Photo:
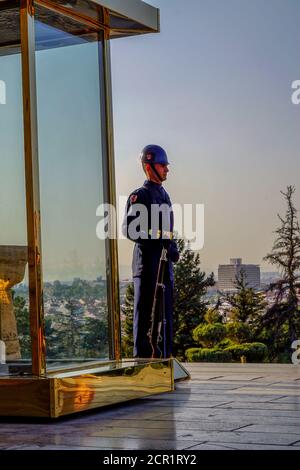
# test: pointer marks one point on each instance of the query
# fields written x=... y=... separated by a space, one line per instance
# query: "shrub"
x=225 y=343
x=254 y=352
x=238 y=332
x=209 y=335
x=207 y=355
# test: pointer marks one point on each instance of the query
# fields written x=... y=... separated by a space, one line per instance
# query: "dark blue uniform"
x=146 y=256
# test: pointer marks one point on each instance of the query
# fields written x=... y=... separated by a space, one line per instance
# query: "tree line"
x=252 y=330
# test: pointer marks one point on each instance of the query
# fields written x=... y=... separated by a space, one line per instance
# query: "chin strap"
x=156 y=172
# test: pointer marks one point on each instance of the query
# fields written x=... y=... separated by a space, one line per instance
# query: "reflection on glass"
x=71 y=188
x=10 y=36
x=14 y=302
x=13 y=260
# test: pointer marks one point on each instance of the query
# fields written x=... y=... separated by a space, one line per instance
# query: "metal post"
x=112 y=268
x=32 y=188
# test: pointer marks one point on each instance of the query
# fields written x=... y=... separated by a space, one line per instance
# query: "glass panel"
x=69 y=131
x=15 y=345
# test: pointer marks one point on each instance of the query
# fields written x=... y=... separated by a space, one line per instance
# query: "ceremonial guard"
x=149 y=223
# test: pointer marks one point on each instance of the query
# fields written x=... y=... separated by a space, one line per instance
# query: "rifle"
x=158 y=317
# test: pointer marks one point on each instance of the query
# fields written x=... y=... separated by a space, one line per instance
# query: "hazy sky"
x=214 y=89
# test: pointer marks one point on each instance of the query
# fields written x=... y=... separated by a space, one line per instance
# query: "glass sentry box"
x=59 y=289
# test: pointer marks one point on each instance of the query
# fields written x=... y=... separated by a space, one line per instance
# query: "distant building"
x=227 y=274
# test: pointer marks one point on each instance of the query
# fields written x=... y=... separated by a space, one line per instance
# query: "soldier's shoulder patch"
x=133 y=198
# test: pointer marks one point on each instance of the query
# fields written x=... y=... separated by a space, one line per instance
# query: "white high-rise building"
x=227 y=274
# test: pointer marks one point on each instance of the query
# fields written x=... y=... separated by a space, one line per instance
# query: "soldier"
x=151 y=233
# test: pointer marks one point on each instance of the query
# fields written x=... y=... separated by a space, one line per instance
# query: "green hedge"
x=254 y=352
x=207 y=355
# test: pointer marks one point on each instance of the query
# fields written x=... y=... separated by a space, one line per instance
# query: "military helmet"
x=154 y=154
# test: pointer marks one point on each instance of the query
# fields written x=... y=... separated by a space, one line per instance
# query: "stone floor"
x=223 y=406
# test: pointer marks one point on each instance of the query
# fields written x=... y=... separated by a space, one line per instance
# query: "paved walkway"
x=223 y=406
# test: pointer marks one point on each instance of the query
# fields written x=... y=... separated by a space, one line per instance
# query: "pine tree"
x=247 y=305
x=190 y=287
x=283 y=317
x=127 y=324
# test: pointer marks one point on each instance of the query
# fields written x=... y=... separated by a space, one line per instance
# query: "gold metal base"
x=61 y=393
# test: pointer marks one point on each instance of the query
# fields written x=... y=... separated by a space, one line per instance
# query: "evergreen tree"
x=247 y=305
x=213 y=316
x=190 y=287
x=282 y=319
x=127 y=324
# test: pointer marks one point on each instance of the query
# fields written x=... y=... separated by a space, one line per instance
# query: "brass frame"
x=32 y=189
x=49 y=4
x=112 y=270
x=71 y=391
x=147 y=16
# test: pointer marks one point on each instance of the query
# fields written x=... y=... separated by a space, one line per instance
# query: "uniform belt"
x=158 y=234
